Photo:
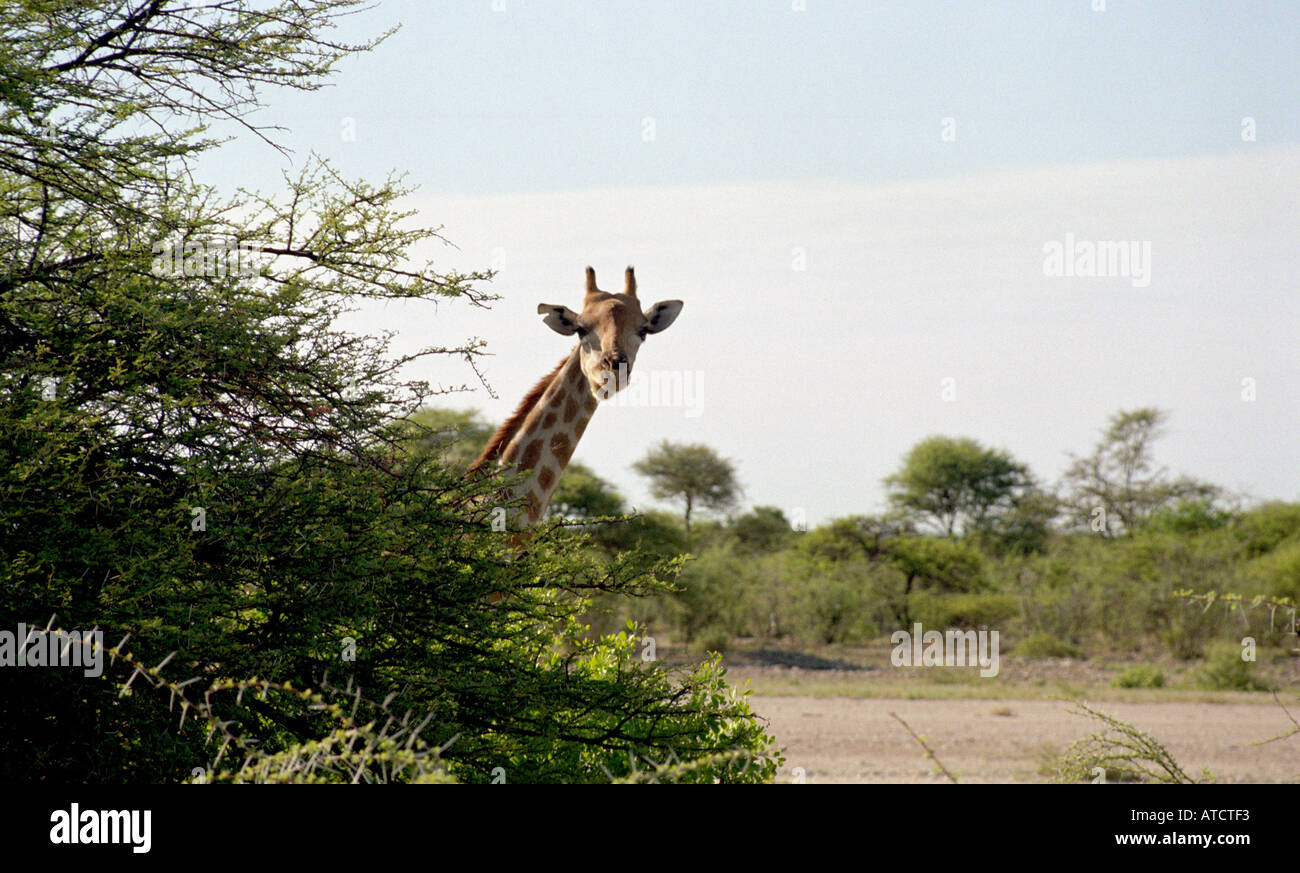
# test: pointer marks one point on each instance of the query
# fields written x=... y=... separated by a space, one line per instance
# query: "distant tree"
x=1118 y=487
x=927 y=563
x=693 y=474
x=1025 y=526
x=580 y=493
x=855 y=536
x=763 y=529
x=956 y=484
x=936 y=563
x=654 y=532
x=457 y=436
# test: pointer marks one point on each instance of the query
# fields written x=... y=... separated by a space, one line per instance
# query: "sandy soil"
x=839 y=739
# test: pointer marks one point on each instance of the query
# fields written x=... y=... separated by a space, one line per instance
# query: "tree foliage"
x=956 y=485
x=763 y=529
x=194 y=455
x=1120 y=478
x=694 y=474
x=455 y=436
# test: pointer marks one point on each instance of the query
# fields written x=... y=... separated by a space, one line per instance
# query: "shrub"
x=1185 y=628
x=967 y=611
x=1119 y=752
x=1040 y=645
x=714 y=639
x=1140 y=676
x=1225 y=670
x=1263 y=528
x=712 y=592
x=934 y=563
x=837 y=603
x=1277 y=574
x=1188 y=517
x=1058 y=592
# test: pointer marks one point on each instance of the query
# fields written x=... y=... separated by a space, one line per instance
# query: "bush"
x=1277 y=574
x=1042 y=645
x=1225 y=670
x=714 y=639
x=934 y=563
x=1263 y=528
x=966 y=611
x=710 y=589
x=839 y=601
x=1140 y=676
x=1188 y=517
x=1058 y=592
x=1146 y=570
x=1186 y=628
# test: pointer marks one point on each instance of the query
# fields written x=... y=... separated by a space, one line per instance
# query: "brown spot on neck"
x=507 y=432
x=545 y=478
x=561 y=447
x=535 y=507
x=531 y=455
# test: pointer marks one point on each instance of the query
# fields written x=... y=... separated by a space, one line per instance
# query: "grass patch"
x=1042 y=645
x=1140 y=676
x=988 y=689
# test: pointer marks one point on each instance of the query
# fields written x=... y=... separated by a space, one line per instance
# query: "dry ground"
x=831 y=712
x=842 y=739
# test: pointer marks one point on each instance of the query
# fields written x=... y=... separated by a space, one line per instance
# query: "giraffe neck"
x=546 y=438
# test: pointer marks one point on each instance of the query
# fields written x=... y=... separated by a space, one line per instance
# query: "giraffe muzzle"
x=614 y=377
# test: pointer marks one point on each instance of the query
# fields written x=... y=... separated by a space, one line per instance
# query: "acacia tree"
x=693 y=474
x=763 y=529
x=1118 y=487
x=856 y=536
x=957 y=485
x=193 y=453
x=455 y=436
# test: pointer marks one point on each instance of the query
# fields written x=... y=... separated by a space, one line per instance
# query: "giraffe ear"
x=560 y=319
x=662 y=314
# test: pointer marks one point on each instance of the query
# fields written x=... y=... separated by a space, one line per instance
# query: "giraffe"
x=539 y=438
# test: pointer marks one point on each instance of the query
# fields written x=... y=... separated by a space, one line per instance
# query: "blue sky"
x=547 y=96
x=854 y=281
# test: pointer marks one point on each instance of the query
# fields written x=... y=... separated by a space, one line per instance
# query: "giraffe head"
x=610 y=330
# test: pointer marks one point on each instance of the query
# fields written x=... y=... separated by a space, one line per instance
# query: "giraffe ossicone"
x=539 y=438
